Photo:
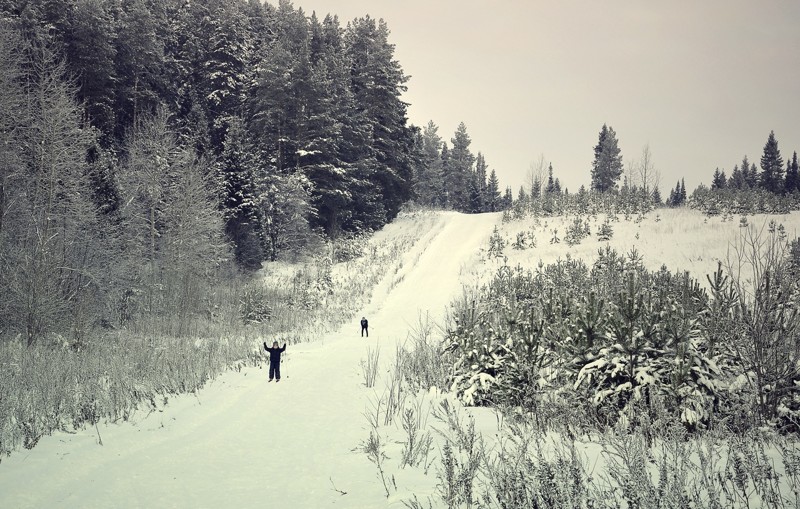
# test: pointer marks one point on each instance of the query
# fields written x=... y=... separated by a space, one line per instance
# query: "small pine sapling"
x=496 y=244
x=605 y=232
x=521 y=242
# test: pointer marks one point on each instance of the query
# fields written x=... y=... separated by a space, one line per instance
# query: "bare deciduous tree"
x=170 y=222
x=53 y=222
x=536 y=175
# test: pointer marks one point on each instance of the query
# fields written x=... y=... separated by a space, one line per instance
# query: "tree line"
x=148 y=145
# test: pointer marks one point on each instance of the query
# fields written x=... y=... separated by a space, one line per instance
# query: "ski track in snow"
x=244 y=442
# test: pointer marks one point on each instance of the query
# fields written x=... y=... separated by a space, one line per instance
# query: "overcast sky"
x=701 y=82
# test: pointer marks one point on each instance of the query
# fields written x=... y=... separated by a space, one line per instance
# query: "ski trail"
x=244 y=442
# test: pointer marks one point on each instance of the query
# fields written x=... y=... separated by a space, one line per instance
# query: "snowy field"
x=243 y=442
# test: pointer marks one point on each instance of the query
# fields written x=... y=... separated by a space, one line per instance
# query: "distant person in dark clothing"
x=274 y=360
x=364 y=327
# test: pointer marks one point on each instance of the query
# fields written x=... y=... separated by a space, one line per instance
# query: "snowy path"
x=243 y=442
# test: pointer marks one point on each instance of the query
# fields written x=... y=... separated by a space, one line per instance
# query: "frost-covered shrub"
x=614 y=333
x=496 y=244
x=605 y=231
x=741 y=201
x=576 y=232
x=521 y=241
x=254 y=305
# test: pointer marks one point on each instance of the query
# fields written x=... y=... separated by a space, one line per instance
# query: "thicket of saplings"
x=61 y=382
x=686 y=387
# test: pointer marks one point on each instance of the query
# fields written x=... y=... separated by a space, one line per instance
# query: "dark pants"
x=363 y=330
x=275 y=370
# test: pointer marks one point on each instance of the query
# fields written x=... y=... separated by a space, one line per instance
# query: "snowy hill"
x=243 y=442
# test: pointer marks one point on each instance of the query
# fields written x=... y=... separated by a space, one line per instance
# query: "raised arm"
x=283 y=347
x=265 y=346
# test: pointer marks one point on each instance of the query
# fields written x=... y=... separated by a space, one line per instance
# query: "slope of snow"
x=243 y=442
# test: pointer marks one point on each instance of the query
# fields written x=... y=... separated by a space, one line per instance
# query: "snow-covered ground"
x=244 y=442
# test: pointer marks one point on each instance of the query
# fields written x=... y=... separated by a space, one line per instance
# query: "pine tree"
x=551 y=184
x=481 y=176
x=475 y=197
x=607 y=165
x=749 y=173
x=522 y=196
x=675 y=196
x=446 y=197
x=225 y=71
x=737 y=180
x=139 y=64
x=377 y=82
x=493 y=203
x=792 y=182
x=237 y=175
x=429 y=182
x=772 y=166
x=682 y=192
x=656 y=196
x=719 y=180
x=461 y=163
x=90 y=52
x=536 y=189
x=508 y=199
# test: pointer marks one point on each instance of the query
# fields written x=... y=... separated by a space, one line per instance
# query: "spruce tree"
x=719 y=180
x=771 y=177
x=792 y=182
x=736 y=181
x=493 y=193
x=90 y=52
x=481 y=176
x=607 y=165
x=551 y=184
x=429 y=181
x=508 y=199
x=446 y=196
x=656 y=196
x=237 y=177
x=461 y=163
x=377 y=82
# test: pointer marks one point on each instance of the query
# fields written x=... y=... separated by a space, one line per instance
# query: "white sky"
x=702 y=82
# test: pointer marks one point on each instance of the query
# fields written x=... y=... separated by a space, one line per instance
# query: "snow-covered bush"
x=610 y=335
x=496 y=244
x=605 y=231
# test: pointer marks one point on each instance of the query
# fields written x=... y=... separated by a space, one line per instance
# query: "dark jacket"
x=274 y=353
x=364 y=323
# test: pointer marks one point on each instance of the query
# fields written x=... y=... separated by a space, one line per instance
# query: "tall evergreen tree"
x=90 y=51
x=430 y=191
x=719 y=180
x=461 y=163
x=737 y=179
x=377 y=81
x=551 y=183
x=237 y=176
x=749 y=173
x=656 y=196
x=607 y=165
x=493 y=193
x=480 y=178
x=508 y=199
x=792 y=182
x=771 y=177
x=446 y=197
x=139 y=63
